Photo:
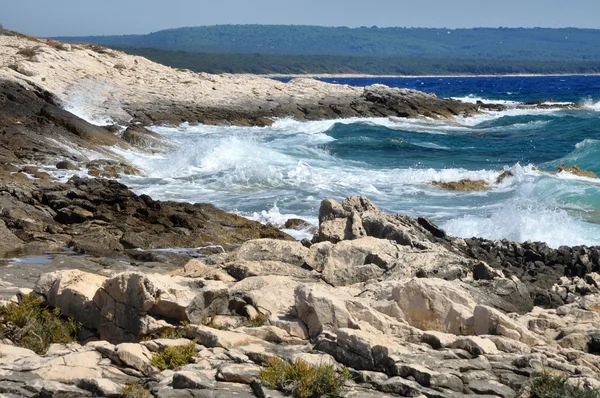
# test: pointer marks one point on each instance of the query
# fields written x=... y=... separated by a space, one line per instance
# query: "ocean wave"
x=585 y=155
x=473 y=99
x=283 y=171
x=591 y=104
x=525 y=218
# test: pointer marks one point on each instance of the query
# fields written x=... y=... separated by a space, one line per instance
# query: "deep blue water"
x=282 y=171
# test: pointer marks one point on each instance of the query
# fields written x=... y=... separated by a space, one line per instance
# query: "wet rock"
x=431 y=227
x=504 y=175
x=66 y=165
x=141 y=137
x=294 y=223
x=104 y=218
x=79 y=127
x=576 y=171
x=463 y=185
x=110 y=168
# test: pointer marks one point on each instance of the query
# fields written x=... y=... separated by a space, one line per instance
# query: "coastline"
x=397 y=305
x=361 y=76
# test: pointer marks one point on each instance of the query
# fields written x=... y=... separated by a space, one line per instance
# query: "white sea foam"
x=96 y=102
x=271 y=174
x=522 y=219
x=473 y=99
x=591 y=104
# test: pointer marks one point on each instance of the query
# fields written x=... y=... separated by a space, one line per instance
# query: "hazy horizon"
x=112 y=17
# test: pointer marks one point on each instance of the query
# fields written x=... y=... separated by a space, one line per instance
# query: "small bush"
x=59 y=46
x=13 y=66
x=120 y=66
x=29 y=51
x=134 y=391
x=174 y=357
x=32 y=325
x=258 y=321
x=173 y=333
x=547 y=385
x=303 y=380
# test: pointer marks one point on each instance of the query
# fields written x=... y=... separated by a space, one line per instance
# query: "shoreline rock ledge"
x=408 y=309
x=102 y=83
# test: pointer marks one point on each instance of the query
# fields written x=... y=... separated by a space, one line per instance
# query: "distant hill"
x=541 y=44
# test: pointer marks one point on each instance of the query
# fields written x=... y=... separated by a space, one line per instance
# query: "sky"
x=108 y=17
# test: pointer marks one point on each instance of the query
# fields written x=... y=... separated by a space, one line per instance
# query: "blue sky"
x=85 y=17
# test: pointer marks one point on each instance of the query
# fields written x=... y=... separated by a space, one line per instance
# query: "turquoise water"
x=283 y=171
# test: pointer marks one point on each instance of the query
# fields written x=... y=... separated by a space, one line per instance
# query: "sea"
x=272 y=174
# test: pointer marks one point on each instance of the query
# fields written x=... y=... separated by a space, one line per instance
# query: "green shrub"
x=134 y=391
x=179 y=332
x=32 y=325
x=174 y=357
x=546 y=385
x=258 y=321
x=29 y=51
x=58 y=45
x=303 y=380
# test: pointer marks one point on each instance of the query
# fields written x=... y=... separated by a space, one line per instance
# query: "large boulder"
x=357 y=217
x=325 y=308
x=270 y=295
x=487 y=320
x=366 y=259
x=210 y=300
x=73 y=292
x=131 y=302
x=435 y=304
x=273 y=250
x=359 y=349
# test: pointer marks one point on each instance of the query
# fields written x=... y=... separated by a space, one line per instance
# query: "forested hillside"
x=303 y=64
x=479 y=43
x=406 y=51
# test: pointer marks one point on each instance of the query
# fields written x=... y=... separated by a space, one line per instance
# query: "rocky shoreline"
x=409 y=310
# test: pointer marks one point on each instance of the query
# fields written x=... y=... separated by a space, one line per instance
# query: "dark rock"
x=503 y=176
x=79 y=127
x=293 y=223
x=141 y=137
x=593 y=345
x=431 y=227
x=110 y=168
x=104 y=218
x=66 y=165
